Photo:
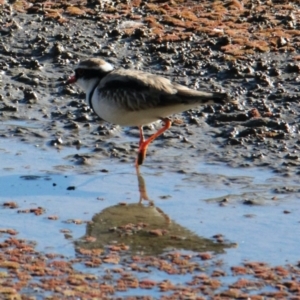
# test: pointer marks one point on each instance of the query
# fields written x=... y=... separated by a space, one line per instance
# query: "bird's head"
x=88 y=71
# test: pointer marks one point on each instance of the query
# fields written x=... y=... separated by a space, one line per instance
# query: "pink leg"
x=144 y=144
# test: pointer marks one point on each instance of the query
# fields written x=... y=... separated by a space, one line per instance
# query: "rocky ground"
x=248 y=49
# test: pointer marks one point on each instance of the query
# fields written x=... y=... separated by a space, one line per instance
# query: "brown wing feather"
x=137 y=90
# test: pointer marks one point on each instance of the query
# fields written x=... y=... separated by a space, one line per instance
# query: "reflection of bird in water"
x=144 y=228
x=142 y=187
x=136 y=98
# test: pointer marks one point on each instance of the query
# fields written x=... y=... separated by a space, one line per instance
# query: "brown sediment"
x=247 y=50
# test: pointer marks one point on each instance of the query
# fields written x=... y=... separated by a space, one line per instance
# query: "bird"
x=129 y=97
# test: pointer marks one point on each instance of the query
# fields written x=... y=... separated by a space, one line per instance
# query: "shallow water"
x=35 y=176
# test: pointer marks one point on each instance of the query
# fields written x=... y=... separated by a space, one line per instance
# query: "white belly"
x=113 y=113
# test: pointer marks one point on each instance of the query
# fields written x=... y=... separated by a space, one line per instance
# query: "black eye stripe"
x=89 y=73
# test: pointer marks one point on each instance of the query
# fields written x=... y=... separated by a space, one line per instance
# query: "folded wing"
x=137 y=90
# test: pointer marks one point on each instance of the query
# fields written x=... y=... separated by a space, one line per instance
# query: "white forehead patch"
x=96 y=64
x=106 y=67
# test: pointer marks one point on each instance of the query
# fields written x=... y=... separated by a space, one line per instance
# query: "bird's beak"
x=71 y=79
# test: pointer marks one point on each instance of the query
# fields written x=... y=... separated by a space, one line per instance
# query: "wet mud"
x=49 y=137
x=42 y=42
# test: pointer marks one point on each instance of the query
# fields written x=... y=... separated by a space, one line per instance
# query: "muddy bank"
x=43 y=41
x=66 y=186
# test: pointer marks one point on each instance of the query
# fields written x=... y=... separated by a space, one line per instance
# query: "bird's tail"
x=204 y=98
x=201 y=97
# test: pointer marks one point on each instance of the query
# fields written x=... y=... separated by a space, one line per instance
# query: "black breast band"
x=91 y=95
